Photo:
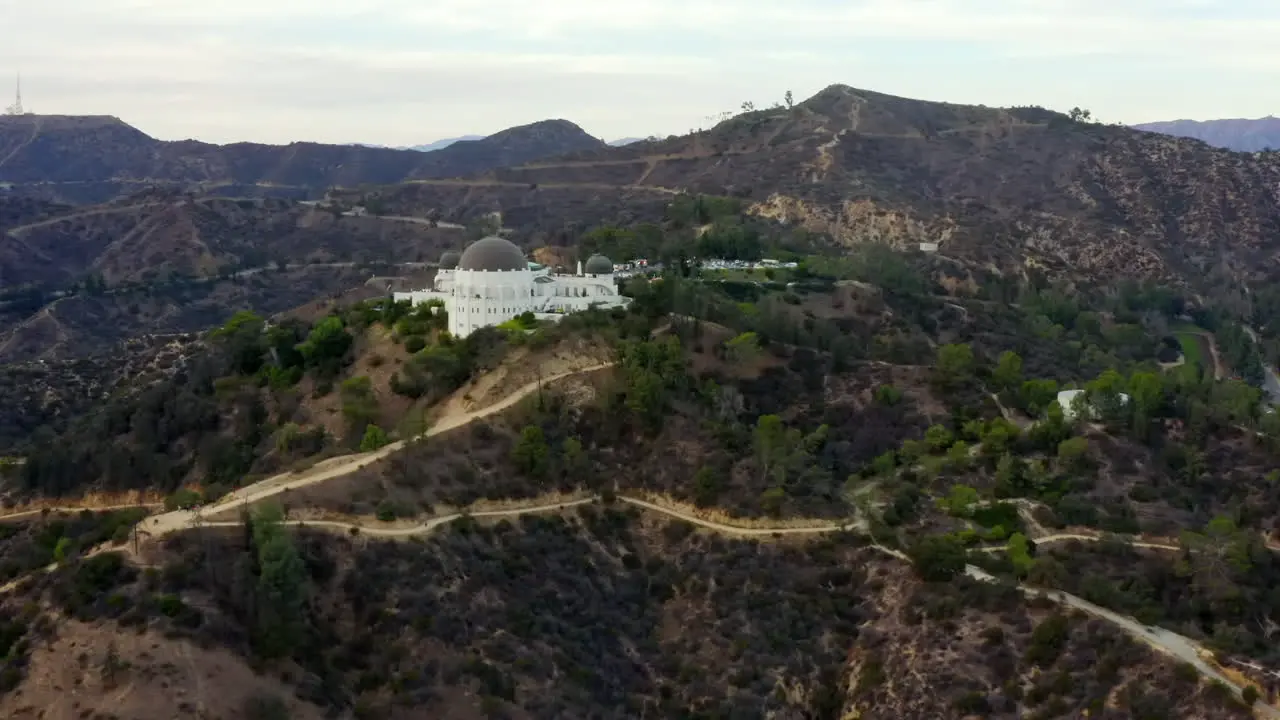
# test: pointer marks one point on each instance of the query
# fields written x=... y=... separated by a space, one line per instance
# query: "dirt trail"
x=344 y=465
x=1162 y=640
x=546 y=185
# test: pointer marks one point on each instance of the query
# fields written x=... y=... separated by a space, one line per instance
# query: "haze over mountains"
x=1232 y=134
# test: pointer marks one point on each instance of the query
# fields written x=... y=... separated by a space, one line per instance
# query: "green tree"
x=573 y=458
x=1073 y=454
x=743 y=349
x=938 y=438
x=327 y=344
x=938 y=558
x=374 y=438
x=1019 y=552
x=359 y=404
x=1037 y=395
x=531 y=453
x=960 y=500
x=954 y=364
x=1007 y=374
x=242 y=339
x=282 y=585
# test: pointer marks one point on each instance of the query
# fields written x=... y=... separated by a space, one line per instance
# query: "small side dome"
x=449 y=260
x=492 y=254
x=598 y=265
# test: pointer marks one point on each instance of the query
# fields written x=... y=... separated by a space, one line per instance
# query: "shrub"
x=414 y=343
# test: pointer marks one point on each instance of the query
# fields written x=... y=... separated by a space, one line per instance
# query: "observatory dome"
x=492 y=254
x=598 y=265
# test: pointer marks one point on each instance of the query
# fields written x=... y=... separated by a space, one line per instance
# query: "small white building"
x=491 y=282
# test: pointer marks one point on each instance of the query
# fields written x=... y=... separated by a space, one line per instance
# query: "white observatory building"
x=492 y=282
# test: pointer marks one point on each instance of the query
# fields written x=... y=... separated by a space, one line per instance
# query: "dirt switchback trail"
x=343 y=465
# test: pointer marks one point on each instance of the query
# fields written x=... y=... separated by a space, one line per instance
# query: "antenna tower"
x=16 y=107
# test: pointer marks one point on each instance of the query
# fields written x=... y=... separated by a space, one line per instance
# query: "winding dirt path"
x=340 y=466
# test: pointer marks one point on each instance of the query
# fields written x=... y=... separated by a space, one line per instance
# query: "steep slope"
x=1233 y=134
x=43 y=150
x=1001 y=186
x=158 y=234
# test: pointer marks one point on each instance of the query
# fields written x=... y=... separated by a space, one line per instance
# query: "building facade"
x=491 y=282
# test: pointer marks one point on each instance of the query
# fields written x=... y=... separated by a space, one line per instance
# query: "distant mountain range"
x=446 y=142
x=1233 y=134
x=89 y=159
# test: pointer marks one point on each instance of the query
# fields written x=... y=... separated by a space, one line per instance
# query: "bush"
x=414 y=343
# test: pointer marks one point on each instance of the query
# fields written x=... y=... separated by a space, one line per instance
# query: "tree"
x=748 y=106
x=1081 y=116
x=938 y=558
x=1073 y=453
x=572 y=457
x=282 y=585
x=1019 y=552
x=1215 y=557
x=788 y=100
x=1008 y=371
x=743 y=349
x=954 y=364
x=327 y=344
x=531 y=453
x=938 y=437
x=359 y=404
x=374 y=438
x=960 y=500
x=1037 y=395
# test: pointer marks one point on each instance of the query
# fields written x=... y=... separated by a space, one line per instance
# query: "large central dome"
x=492 y=254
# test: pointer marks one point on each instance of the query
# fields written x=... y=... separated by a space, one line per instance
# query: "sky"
x=404 y=72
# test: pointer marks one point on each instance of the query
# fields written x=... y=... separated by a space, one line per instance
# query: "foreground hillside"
x=582 y=549
x=1009 y=187
x=91 y=159
x=597 y=613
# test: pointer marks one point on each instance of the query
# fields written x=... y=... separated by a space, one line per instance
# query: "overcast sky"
x=412 y=71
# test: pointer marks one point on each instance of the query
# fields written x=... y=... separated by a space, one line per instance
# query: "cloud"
x=409 y=71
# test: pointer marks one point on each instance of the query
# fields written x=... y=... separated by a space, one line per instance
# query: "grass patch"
x=1192 y=348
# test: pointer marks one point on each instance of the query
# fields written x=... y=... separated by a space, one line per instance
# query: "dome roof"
x=449 y=260
x=492 y=253
x=598 y=265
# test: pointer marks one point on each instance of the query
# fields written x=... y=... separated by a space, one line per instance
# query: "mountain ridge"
x=42 y=150
x=1242 y=134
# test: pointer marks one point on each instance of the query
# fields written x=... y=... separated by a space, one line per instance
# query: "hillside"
x=1233 y=134
x=103 y=156
x=597 y=613
x=156 y=235
x=1008 y=187
x=505 y=547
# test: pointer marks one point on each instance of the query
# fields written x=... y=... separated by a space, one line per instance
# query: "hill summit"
x=48 y=149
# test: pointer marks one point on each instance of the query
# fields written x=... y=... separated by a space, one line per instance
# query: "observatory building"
x=491 y=282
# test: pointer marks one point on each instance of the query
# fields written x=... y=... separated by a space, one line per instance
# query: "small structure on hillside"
x=491 y=282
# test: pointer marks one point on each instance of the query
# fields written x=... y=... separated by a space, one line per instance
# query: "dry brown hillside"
x=1001 y=185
